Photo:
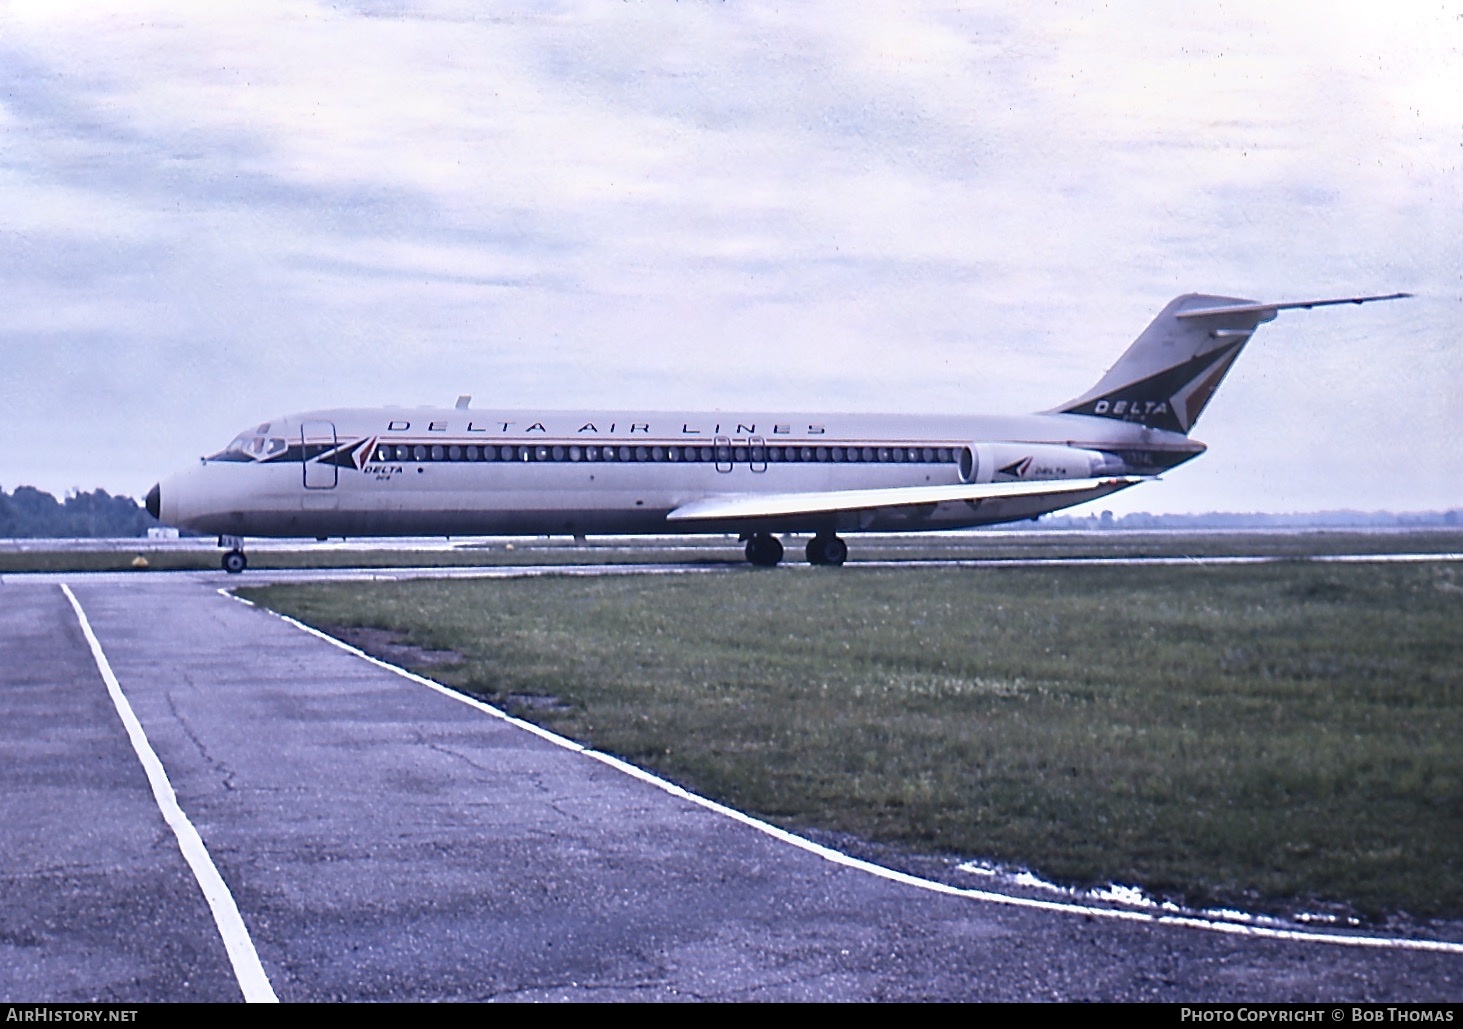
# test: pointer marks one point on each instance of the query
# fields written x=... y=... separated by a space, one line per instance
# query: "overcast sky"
x=215 y=214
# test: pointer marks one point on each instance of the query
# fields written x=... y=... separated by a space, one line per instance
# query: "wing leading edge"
x=734 y=506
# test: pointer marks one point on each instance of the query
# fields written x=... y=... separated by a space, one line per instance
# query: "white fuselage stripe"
x=231 y=929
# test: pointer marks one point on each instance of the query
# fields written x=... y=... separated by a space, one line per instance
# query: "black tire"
x=235 y=562
x=827 y=550
x=814 y=551
x=764 y=551
x=835 y=551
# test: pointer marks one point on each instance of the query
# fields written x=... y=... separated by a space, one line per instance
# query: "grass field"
x=1274 y=736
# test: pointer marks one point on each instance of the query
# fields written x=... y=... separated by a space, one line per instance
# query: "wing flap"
x=774 y=505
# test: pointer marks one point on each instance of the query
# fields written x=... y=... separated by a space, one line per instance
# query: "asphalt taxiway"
x=381 y=840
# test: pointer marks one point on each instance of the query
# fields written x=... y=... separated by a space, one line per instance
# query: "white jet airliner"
x=464 y=471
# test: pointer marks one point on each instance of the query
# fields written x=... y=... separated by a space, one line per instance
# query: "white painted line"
x=1186 y=920
x=242 y=955
x=485 y=708
x=1193 y=921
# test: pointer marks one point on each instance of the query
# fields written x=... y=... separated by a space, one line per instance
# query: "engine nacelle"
x=1022 y=462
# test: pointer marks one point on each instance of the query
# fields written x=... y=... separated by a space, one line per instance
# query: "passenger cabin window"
x=249 y=447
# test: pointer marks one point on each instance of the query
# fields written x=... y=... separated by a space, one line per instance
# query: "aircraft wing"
x=773 y=505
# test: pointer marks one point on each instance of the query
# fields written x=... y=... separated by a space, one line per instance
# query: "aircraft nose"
x=154 y=502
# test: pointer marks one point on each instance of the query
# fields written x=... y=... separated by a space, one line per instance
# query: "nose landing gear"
x=234 y=560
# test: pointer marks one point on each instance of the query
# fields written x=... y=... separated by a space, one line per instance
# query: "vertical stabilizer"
x=1165 y=379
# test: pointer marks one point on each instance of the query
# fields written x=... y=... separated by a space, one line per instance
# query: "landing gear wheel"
x=827 y=550
x=235 y=562
x=763 y=550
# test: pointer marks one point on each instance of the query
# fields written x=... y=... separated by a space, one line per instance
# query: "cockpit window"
x=250 y=446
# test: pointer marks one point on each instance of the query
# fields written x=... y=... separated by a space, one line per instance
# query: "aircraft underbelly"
x=510 y=513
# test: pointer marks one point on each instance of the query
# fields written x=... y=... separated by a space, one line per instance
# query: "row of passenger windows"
x=720 y=454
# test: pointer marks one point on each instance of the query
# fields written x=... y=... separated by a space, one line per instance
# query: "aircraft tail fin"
x=1165 y=379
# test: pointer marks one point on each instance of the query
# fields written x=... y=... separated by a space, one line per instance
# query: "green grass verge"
x=1269 y=736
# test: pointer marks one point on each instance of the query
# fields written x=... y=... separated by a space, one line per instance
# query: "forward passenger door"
x=317 y=438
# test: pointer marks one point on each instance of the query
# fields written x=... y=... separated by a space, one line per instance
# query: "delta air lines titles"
x=609 y=428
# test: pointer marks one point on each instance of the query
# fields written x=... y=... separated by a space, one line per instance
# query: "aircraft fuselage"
x=449 y=471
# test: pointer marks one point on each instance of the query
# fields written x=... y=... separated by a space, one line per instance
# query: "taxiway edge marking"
x=248 y=970
x=1189 y=921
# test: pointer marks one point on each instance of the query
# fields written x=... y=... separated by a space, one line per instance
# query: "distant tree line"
x=29 y=512
x=1253 y=520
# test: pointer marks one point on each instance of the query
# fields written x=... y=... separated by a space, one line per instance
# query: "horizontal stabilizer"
x=1212 y=312
x=776 y=505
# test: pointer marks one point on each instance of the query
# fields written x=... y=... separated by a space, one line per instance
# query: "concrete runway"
x=381 y=841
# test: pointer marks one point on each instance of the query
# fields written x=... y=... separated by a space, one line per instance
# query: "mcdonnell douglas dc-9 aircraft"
x=460 y=472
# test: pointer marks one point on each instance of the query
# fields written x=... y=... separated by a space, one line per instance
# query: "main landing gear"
x=764 y=550
x=234 y=560
x=826 y=549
